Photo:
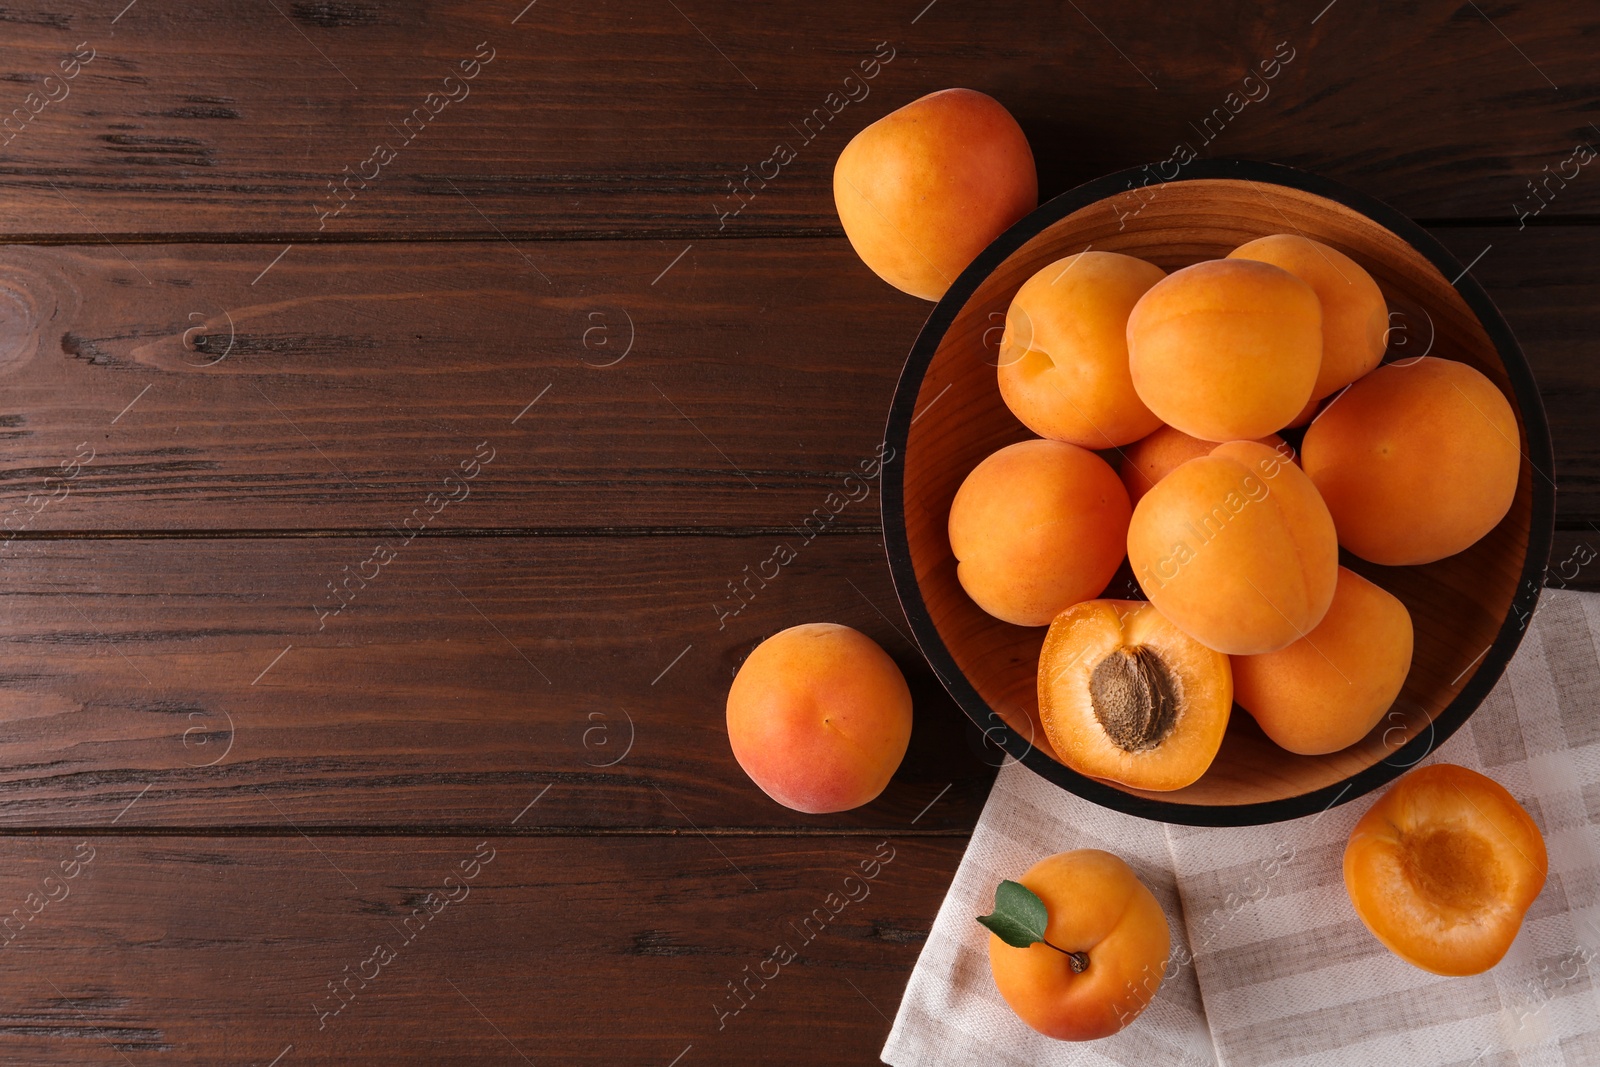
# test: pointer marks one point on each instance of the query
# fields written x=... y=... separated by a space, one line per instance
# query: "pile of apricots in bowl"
x=1233 y=538
x=1162 y=406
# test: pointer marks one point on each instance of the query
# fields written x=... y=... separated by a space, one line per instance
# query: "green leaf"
x=1019 y=917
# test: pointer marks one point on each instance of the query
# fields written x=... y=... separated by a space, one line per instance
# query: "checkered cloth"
x=1283 y=972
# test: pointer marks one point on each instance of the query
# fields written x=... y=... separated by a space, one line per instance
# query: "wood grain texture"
x=268 y=800
x=632 y=117
x=617 y=950
x=190 y=680
x=359 y=375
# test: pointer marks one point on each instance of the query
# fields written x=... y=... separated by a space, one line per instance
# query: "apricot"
x=1064 y=353
x=924 y=189
x=819 y=717
x=1102 y=919
x=1237 y=549
x=1227 y=349
x=1126 y=695
x=1037 y=527
x=1416 y=461
x=1325 y=691
x=1355 y=317
x=1147 y=461
x=1443 y=868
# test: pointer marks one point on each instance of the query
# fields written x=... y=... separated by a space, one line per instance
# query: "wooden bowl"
x=1469 y=610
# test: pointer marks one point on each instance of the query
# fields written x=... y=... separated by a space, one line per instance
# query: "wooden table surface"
x=394 y=394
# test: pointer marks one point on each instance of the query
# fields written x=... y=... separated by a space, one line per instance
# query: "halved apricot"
x=1126 y=695
x=1443 y=868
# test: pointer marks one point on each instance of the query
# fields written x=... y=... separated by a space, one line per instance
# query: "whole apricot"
x=1063 y=362
x=1227 y=349
x=1126 y=695
x=1037 y=527
x=1102 y=918
x=1416 y=461
x=1147 y=461
x=1328 y=689
x=924 y=189
x=1443 y=868
x=819 y=717
x=1355 y=317
x=1237 y=549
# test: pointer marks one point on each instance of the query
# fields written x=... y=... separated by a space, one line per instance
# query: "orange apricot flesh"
x=1443 y=868
x=1327 y=690
x=819 y=717
x=1063 y=361
x=1097 y=906
x=1126 y=696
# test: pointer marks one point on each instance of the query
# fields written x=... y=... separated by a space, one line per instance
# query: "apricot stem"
x=1078 y=961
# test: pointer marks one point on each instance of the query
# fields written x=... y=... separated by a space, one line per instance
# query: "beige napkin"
x=1283 y=972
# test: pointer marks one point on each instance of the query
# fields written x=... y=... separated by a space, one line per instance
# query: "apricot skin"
x=1227 y=349
x=1443 y=869
x=1326 y=691
x=1085 y=634
x=1063 y=361
x=1355 y=317
x=1416 y=461
x=1150 y=459
x=1237 y=549
x=1097 y=905
x=819 y=717
x=926 y=188
x=1037 y=527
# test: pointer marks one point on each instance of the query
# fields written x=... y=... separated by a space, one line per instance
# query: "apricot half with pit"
x=1443 y=868
x=1125 y=695
x=1063 y=360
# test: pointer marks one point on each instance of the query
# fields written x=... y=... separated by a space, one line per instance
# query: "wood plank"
x=599 y=951
x=187 y=682
x=629 y=118
x=154 y=682
x=759 y=377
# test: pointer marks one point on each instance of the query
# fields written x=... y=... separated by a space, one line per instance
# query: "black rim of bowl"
x=1491 y=666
